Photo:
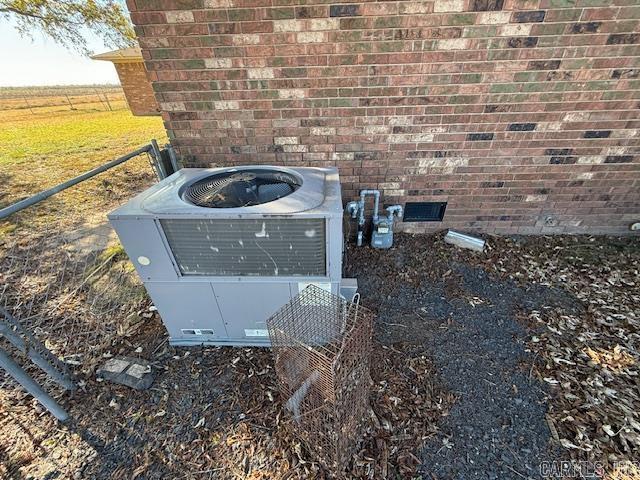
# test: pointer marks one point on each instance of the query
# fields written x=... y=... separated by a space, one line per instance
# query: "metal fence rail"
x=66 y=286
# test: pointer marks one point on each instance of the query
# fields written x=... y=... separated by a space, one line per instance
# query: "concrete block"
x=131 y=372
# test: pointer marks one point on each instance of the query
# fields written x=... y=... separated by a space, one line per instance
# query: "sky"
x=27 y=62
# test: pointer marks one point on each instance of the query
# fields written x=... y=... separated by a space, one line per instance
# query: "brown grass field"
x=55 y=143
x=37 y=100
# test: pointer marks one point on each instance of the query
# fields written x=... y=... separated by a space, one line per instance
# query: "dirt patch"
x=216 y=413
x=465 y=321
x=465 y=348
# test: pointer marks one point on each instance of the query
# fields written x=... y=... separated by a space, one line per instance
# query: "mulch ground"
x=485 y=366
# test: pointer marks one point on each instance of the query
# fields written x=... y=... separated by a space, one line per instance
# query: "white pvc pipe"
x=464 y=241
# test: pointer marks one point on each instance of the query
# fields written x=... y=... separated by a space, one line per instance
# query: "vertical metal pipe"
x=20 y=376
x=173 y=157
x=155 y=150
x=376 y=201
x=154 y=164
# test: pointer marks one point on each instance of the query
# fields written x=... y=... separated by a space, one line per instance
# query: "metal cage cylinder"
x=322 y=350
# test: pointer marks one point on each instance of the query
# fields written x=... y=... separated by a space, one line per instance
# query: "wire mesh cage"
x=322 y=349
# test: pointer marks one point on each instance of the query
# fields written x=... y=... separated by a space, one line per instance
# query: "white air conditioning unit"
x=220 y=250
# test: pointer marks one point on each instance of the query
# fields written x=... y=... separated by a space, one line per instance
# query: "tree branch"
x=21 y=12
x=66 y=21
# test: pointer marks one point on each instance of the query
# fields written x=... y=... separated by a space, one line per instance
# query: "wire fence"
x=38 y=99
x=65 y=278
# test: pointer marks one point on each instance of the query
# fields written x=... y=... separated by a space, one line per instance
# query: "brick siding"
x=137 y=88
x=521 y=114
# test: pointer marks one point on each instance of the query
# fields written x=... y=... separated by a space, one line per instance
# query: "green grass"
x=72 y=139
x=39 y=151
x=66 y=137
x=36 y=152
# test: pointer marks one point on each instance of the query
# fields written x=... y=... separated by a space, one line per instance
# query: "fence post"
x=28 y=104
x=173 y=157
x=69 y=100
x=157 y=156
x=99 y=97
x=106 y=97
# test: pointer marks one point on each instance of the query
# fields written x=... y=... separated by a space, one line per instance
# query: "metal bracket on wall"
x=165 y=161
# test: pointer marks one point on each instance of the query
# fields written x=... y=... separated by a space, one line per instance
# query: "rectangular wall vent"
x=424 y=211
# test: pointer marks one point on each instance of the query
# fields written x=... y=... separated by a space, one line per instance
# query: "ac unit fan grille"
x=269 y=247
x=241 y=188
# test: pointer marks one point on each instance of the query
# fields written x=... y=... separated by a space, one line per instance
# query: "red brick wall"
x=137 y=88
x=522 y=114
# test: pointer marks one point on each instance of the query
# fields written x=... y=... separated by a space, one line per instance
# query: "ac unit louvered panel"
x=248 y=247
